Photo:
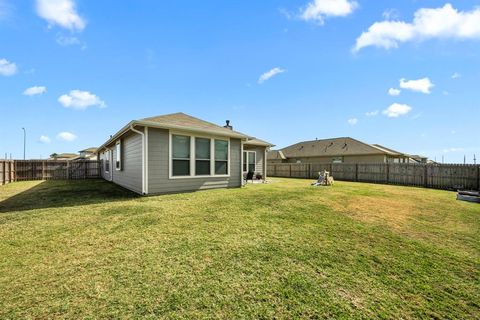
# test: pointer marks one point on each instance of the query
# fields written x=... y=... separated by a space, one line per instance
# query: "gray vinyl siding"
x=158 y=168
x=260 y=157
x=130 y=176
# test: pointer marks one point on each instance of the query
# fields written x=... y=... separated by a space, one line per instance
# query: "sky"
x=403 y=74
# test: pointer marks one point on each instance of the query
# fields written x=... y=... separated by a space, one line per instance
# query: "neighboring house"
x=177 y=152
x=337 y=150
x=64 y=156
x=88 y=154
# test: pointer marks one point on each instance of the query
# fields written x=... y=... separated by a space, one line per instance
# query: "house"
x=63 y=156
x=178 y=152
x=337 y=150
x=88 y=154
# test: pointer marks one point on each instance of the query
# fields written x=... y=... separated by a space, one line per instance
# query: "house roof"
x=276 y=155
x=258 y=142
x=91 y=149
x=67 y=155
x=335 y=147
x=183 y=122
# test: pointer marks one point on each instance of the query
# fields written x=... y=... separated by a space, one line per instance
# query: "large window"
x=202 y=156
x=198 y=156
x=221 y=156
x=180 y=155
x=249 y=160
x=337 y=160
x=118 y=155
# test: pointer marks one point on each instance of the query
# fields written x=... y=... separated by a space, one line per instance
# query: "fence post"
x=387 y=172
x=478 y=178
x=68 y=169
x=425 y=175
x=356 y=172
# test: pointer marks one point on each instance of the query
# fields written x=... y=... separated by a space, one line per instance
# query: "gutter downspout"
x=144 y=191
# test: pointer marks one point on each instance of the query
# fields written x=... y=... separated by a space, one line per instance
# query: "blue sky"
x=284 y=71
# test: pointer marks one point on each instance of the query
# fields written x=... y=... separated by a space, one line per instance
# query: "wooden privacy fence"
x=22 y=170
x=441 y=176
x=7 y=172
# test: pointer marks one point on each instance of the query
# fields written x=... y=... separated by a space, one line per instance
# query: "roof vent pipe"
x=227 y=125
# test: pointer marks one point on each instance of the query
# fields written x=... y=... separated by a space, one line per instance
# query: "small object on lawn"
x=324 y=179
x=470 y=196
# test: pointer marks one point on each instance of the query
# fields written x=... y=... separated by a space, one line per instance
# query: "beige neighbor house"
x=64 y=156
x=338 y=150
x=88 y=154
x=177 y=153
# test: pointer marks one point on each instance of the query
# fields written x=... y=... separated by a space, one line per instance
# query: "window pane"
x=202 y=148
x=181 y=167
x=202 y=167
x=221 y=167
x=251 y=157
x=251 y=167
x=180 y=147
x=221 y=150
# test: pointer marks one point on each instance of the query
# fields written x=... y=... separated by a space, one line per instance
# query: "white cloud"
x=372 y=113
x=269 y=74
x=440 y=23
x=396 y=110
x=66 y=136
x=7 y=68
x=67 y=40
x=456 y=75
x=35 y=90
x=394 y=92
x=448 y=150
x=318 y=10
x=421 y=85
x=5 y=10
x=352 y=121
x=390 y=14
x=80 y=100
x=44 y=139
x=62 y=13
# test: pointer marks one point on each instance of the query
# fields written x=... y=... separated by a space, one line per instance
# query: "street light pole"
x=24 y=142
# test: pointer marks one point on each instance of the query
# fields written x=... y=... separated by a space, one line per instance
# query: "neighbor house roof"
x=183 y=122
x=334 y=147
x=276 y=155
x=91 y=149
x=67 y=155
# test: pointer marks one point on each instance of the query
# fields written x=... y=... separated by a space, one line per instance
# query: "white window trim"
x=192 y=156
x=118 y=157
x=248 y=157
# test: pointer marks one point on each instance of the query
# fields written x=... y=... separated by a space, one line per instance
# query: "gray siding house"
x=177 y=153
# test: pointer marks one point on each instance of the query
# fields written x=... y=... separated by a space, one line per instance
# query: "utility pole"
x=464 y=159
x=24 y=142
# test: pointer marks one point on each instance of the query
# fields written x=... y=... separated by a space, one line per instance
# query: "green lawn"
x=90 y=249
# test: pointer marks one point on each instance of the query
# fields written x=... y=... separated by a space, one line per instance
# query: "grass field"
x=89 y=249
